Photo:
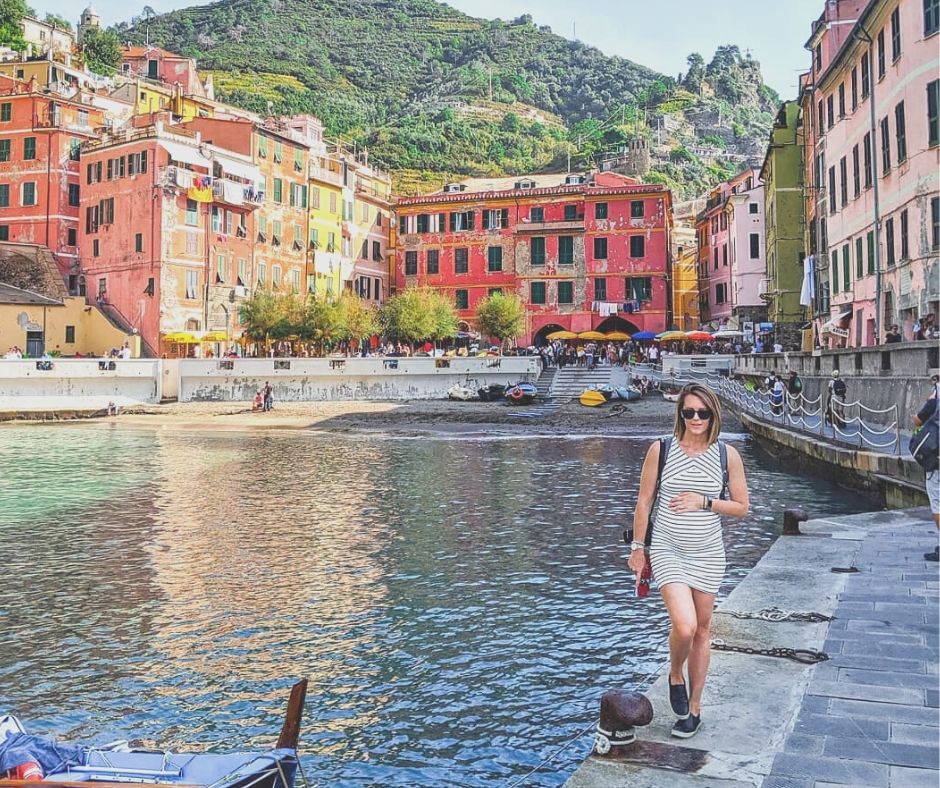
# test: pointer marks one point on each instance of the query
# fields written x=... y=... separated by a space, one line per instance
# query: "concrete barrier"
x=317 y=379
x=37 y=384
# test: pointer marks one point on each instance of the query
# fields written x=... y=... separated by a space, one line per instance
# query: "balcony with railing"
x=575 y=225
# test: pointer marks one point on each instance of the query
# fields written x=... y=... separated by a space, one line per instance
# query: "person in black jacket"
x=927 y=412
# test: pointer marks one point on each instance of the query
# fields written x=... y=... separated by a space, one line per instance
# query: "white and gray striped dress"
x=687 y=547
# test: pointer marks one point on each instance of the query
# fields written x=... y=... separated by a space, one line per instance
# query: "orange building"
x=41 y=135
x=282 y=255
x=163 y=66
x=168 y=224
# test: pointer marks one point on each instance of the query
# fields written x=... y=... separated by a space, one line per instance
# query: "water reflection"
x=457 y=604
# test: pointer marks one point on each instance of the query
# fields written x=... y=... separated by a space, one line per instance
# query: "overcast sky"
x=657 y=34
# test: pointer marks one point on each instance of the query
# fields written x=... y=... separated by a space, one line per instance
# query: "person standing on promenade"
x=929 y=412
x=687 y=552
x=893 y=335
x=835 y=410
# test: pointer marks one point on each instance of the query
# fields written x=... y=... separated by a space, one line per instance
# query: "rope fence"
x=827 y=417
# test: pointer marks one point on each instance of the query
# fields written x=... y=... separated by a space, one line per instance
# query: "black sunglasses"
x=689 y=413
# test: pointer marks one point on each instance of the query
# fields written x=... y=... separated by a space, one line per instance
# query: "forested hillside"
x=434 y=93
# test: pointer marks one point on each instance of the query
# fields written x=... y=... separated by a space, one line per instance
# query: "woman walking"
x=687 y=553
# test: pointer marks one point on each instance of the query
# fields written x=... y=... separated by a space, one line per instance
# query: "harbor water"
x=458 y=603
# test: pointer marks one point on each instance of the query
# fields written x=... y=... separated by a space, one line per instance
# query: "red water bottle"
x=643 y=580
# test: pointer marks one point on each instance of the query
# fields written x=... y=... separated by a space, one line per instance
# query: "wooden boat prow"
x=107 y=768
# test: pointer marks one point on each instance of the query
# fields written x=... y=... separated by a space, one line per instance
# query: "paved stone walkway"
x=867 y=717
x=870 y=715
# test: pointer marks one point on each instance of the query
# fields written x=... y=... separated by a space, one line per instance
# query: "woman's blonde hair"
x=711 y=402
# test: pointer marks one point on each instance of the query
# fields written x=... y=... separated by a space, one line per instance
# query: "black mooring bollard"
x=621 y=712
x=791 y=521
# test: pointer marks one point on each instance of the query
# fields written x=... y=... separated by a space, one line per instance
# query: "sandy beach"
x=409 y=417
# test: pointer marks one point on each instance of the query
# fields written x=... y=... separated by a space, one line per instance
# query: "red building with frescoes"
x=584 y=252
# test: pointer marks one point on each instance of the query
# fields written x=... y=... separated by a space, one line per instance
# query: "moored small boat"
x=461 y=393
x=492 y=393
x=521 y=394
x=591 y=398
x=628 y=393
x=29 y=760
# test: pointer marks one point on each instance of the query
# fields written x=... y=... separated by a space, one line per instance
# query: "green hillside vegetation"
x=434 y=93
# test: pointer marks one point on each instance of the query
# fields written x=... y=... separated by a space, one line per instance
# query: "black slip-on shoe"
x=679 y=700
x=934 y=556
x=687 y=728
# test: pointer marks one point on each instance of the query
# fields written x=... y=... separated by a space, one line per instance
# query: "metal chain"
x=807 y=656
x=777 y=614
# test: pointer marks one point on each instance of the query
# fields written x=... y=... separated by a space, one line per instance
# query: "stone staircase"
x=544 y=384
x=568 y=383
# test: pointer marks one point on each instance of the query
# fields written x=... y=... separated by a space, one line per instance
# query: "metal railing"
x=830 y=418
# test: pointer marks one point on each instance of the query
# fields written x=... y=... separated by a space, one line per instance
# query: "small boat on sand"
x=29 y=760
x=521 y=394
x=492 y=393
x=628 y=394
x=591 y=398
x=460 y=393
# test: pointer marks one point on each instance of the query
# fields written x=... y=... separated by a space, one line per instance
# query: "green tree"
x=11 y=15
x=418 y=313
x=501 y=315
x=355 y=319
x=102 y=50
x=58 y=21
x=260 y=314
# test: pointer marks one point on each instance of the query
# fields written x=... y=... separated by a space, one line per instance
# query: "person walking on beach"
x=686 y=551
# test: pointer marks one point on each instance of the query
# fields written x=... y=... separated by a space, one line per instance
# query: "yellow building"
x=149 y=96
x=38 y=324
x=325 y=274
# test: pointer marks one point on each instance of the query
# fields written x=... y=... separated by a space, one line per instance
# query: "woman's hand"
x=637 y=560
x=687 y=502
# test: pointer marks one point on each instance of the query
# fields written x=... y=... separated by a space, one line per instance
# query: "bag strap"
x=665 y=443
x=723 y=454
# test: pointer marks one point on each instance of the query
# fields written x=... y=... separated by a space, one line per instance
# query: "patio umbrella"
x=215 y=336
x=670 y=336
x=591 y=335
x=699 y=336
x=644 y=336
x=181 y=338
x=727 y=333
x=617 y=336
x=562 y=335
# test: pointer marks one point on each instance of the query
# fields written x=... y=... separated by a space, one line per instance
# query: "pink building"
x=873 y=155
x=732 y=261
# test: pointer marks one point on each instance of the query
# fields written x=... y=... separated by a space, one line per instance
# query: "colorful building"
x=169 y=228
x=685 y=294
x=169 y=68
x=279 y=243
x=41 y=136
x=371 y=220
x=782 y=176
x=584 y=252
x=731 y=257
x=871 y=118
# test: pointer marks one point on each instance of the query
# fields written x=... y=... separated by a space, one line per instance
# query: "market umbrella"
x=562 y=335
x=617 y=336
x=591 y=335
x=215 y=336
x=644 y=336
x=670 y=336
x=181 y=338
x=726 y=333
x=699 y=336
